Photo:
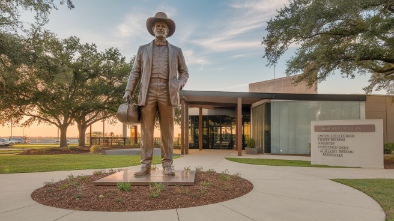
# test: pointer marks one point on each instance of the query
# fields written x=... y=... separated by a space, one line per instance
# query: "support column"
x=124 y=130
x=187 y=128
x=239 y=126
x=200 y=130
x=135 y=134
x=182 y=127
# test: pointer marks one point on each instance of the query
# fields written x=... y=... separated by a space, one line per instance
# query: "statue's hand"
x=176 y=84
x=127 y=95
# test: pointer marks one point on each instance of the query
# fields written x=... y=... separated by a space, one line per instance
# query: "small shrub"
x=206 y=183
x=251 y=143
x=96 y=149
x=211 y=171
x=111 y=170
x=187 y=168
x=79 y=192
x=155 y=189
x=388 y=148
x=237 y=175
x=98 y=172
x=82 y=177
x=48 y=183
x=199 y=169
x=224 y=177
x=124 y=186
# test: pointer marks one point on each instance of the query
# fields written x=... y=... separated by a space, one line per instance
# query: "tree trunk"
x=63 y=135
x=81 y=130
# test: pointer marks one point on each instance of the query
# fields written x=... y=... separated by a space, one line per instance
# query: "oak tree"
x=353 y=37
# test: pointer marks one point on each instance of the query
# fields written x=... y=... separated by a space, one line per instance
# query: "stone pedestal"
x=184 y=178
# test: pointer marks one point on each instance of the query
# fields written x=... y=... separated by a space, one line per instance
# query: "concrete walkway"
x=280 y=193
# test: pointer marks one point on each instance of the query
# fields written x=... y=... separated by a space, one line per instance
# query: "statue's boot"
x=145 y=170
x=168 y=171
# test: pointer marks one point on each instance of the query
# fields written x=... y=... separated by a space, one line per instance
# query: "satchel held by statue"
x=129 y=113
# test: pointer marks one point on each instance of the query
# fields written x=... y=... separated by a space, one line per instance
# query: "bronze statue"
x=161 y=70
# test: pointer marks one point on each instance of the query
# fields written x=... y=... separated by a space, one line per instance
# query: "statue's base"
x=183 y=178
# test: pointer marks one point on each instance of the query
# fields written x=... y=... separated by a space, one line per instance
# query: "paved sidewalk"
x=280 y=193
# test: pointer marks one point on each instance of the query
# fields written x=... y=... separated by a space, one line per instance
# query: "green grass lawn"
x=381 y=190
x=276 y=162
x=44 y=163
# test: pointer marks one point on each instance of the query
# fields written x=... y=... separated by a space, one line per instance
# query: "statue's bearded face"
x=160 y=29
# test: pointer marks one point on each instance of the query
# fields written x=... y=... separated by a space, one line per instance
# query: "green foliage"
x=351 y=36
x=380 y=190
x=206 y=183
x=211 y=171
x=388 y=148
x=124 y=186
x=224 y=176
x=67 y=81
x=48 y=183
x=82 y=177
x=251 y=143
x=11 y=11
x=96 y=149
x=155 y=189
x=98 y=172
x=199 y=169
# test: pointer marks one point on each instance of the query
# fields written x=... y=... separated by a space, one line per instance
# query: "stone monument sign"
x=350 y=143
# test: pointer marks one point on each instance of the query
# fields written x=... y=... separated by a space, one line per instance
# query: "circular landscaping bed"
x=79 y=193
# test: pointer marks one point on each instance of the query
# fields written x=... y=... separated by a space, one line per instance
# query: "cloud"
x=237 y=28
x=192 y=59
x=131 y=32
x=220 y=45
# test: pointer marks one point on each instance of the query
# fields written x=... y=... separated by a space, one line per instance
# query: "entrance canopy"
x=218 y=99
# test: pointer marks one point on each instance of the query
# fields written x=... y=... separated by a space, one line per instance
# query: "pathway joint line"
x=238 y=212
x=177 y=215
x=64 y=215
x=17 y=209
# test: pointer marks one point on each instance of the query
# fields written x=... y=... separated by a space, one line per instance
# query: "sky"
x=220 y=39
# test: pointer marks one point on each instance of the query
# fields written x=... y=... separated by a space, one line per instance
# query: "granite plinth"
x=184 y=178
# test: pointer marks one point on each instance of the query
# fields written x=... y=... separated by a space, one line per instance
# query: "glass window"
x=289 y=128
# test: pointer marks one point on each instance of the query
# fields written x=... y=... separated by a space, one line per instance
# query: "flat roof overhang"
x=220 y=99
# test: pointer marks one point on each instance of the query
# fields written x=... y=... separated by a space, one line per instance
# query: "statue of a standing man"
x=161 y=69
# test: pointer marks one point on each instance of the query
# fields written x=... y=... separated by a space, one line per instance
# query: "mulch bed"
x=389 y=162
x=55 y=150
x=79 y=193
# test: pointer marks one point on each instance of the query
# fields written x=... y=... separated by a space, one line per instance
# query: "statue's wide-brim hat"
x=160 y=16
